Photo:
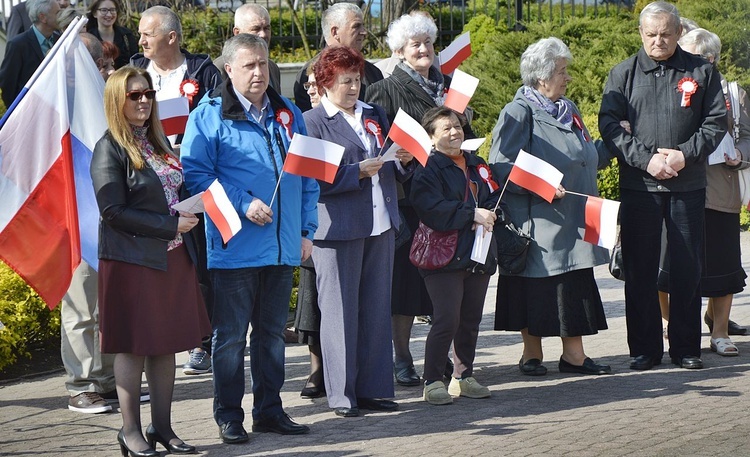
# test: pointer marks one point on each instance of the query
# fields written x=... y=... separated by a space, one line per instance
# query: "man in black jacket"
x=676 y=110
x=343 y=25
x=178 y=73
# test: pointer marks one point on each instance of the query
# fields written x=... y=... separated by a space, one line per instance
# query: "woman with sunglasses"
x=150 y=304
x=102 y=24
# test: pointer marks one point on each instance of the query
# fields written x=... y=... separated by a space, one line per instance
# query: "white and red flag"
x=220 y=210
x=48 y=215
x=410 y=135
x=456 y=52
x=313 y=158
x=173 y=113
x=462 y=89
x=601 y=222
x=536 y=175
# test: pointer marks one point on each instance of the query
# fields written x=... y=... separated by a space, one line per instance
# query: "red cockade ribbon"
x=579 y=123
x=373 y=127
x=189 y=88
x=688 y=86
x=285 y=118
x=486 y=174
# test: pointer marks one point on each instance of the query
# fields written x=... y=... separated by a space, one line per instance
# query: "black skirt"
x=564 y=305
x=307 y=317
x=722 y=273
x=409 y=295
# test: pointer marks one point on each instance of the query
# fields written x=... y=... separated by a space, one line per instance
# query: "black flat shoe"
x=153 y=437
x=377 y=404
x=233 y=432
x=532 y=367
x=312 y=391
x=281 y=424
x=347 y=412
x=588 y=367
x=689 y=362
x=126 y=451
x=644 y=362
x=733 y=327
x=406 y=376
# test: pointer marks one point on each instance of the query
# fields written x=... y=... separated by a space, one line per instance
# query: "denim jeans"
x=641 y=218
x=260 y=297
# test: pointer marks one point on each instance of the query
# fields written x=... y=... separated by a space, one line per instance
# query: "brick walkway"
x=662 y=412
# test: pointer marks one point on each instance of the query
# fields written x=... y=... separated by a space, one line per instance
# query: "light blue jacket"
x=222 y=142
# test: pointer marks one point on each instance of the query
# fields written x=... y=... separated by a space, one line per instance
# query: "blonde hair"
x=119 y=127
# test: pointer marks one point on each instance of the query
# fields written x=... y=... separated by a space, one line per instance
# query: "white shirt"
x=168 y=86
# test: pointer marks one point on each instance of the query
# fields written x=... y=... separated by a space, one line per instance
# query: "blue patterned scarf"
x=562 y=109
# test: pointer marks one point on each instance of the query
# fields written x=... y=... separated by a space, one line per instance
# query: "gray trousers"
x=87 y=369
x=354 y=295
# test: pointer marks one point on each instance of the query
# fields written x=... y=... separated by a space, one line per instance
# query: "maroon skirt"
x=144 y=311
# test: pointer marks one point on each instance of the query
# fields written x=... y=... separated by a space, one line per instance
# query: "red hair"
x=335 y=60
x=110 y=51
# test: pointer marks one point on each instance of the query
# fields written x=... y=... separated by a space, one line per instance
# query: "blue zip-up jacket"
x=222 y=142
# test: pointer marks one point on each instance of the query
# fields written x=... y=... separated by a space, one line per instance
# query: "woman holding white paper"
x=354 y=243
x=556 y=295
x=150 y=304
x=455 y=191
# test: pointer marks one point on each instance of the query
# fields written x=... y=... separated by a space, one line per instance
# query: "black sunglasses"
x=136 y=95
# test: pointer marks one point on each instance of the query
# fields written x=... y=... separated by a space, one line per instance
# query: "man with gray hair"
x=25 y=52
x=177 y=73
x=254 y=19
x=239 y=136
x=677 y=114
x=343 y=25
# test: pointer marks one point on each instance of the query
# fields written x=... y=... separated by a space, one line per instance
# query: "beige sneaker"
x=468 y=387
x=435 y=394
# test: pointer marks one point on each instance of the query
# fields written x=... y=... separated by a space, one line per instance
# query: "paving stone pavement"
x=662 y=412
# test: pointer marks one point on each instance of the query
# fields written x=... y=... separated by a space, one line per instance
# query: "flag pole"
x=385 y=140
x=501 y=194
x=273 y=197
x=577 y=193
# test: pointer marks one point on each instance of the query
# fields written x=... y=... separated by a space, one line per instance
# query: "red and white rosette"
x=189 y=88
x=285 y=118
x=486 y=174
x=688 y=86
x=373 y=127
x=579 y=123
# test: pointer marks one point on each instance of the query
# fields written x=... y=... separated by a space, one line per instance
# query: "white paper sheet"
x=193 y=205
x=725 y=147
x=390 y=154
x=482 y=241
x=472 y=144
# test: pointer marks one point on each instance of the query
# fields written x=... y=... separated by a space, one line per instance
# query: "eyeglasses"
x=309 y=84
x=136 y=95
x=107 y=10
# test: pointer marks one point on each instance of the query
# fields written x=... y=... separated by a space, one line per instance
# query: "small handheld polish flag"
x=536 y=175
x=173 y=114
x=456 y=52
x=410 y=135
x=601 y=222
x=313 y=158
x=462 y=89
x=221 y=211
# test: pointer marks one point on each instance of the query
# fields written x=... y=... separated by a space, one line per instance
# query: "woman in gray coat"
x=556 y=295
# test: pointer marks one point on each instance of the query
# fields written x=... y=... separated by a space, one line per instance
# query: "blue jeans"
x=260 y=297
x=641 y=218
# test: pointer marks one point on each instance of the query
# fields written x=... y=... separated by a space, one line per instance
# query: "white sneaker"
x=435 y=394
x=467 y=387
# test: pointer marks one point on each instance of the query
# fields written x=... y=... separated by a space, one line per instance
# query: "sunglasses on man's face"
x=136 y=95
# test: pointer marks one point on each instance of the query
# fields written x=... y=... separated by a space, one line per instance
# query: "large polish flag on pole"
x=456 y=52
x=536 y=175
x=48 y=216
x=410 y=135
x=601 y=222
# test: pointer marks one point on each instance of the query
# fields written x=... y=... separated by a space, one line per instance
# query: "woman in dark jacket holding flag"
x=354 y=243
x=454 y=191
x=556 y=295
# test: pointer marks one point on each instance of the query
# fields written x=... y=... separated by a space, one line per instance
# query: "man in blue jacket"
x=239 y=135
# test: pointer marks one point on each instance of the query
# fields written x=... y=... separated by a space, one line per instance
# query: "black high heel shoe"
x=153 y=436
x=150 y=452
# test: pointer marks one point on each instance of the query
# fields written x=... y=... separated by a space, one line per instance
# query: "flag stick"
x=501 y=194
x=576 y=193
x=385 y=140
x=273 y=197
